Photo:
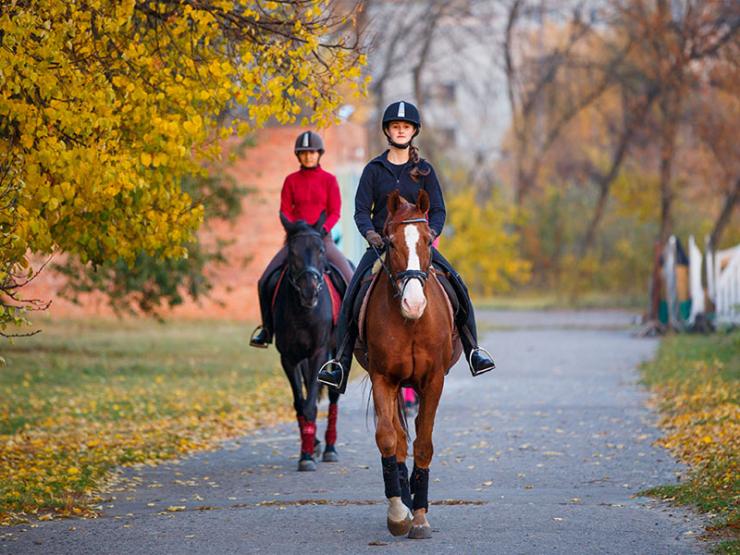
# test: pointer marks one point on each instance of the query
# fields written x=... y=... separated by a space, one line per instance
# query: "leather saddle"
x=359 y=311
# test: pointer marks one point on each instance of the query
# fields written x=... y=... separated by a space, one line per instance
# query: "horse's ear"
x=422 y=201
x=287 y=224
x=394 y=201
x=319 y=225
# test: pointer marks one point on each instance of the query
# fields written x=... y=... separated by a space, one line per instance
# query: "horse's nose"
x=413 y=308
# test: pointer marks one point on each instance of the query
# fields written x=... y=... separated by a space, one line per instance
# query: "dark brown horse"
x=408 y=330
x=304 y=333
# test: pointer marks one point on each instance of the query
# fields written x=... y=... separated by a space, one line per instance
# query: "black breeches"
x=465 y=317
x=345 y=323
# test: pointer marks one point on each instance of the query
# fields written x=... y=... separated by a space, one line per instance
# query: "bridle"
x=308 y=270
x=407 y=275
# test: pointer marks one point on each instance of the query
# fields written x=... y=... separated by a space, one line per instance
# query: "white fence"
x=723 y=281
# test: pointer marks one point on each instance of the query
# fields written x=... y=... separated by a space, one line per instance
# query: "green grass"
x=697 y=381
x=87 y=395
x=533 y=300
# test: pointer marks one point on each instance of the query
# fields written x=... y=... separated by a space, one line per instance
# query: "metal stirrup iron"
x=330 y=363
x=470 y=361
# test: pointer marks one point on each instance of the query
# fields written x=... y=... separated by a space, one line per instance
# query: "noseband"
x=407 y=275
x=310 y=270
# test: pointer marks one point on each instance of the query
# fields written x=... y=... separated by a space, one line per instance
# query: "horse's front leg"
x=401 y=453
x=330 y=451
x=423 y=451
x=292 y=372
x=310 y=447
x=384 y=397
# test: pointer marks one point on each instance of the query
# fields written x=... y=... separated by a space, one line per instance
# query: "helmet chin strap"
x=402 y=146
x=398 y=145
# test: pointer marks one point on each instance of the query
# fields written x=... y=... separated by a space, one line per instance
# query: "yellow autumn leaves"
x=480 y=243
x=106 y=106
x=83 y=398
x=698 y=388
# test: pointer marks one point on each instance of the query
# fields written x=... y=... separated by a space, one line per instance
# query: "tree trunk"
x=731 y=202
x=632 y=122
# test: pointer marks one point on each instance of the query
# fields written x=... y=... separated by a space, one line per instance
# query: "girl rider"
x=306 y=193
x=400 y=168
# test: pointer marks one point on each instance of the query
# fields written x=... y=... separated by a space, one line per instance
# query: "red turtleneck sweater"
x=309 y=191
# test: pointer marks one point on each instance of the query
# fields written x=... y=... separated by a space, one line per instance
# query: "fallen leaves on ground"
x=60 y=462
x=697 y=385
x=87 y=396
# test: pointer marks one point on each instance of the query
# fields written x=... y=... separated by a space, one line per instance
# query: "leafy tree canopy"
x=106 y=106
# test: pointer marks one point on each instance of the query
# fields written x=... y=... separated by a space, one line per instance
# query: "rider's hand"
x=374 y=238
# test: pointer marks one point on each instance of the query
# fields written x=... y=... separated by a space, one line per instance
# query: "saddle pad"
x=277 y=286
x=363 y=306
x=336 y=299
x=360 y=351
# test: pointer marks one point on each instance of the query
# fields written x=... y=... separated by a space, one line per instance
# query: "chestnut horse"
x=408 y=331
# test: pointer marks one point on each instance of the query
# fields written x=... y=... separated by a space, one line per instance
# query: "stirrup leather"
x=470 y=362
x=329 y=364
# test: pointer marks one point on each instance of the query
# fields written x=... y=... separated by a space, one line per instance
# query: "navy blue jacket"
x=378 y=181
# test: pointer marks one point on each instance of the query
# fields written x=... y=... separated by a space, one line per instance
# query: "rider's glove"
x=374 y=238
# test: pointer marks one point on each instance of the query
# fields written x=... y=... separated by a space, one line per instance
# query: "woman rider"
x=306 y=193
x=400 y=168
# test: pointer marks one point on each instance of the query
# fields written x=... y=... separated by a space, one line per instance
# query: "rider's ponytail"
x=416 y=172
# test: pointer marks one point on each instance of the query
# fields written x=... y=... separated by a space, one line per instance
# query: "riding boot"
x=335 y=372
x=479 y=360
x=262 y=335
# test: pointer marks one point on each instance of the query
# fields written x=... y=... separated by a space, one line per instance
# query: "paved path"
x=543 y=456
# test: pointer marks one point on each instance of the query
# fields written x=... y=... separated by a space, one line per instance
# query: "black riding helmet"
x=308 y=140
x=401 y=111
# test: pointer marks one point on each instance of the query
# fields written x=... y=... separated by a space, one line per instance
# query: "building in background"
x=446 y=58
x=257 y=234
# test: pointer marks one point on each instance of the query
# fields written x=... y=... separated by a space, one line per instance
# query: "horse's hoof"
x=400 y=528
x=330 y=454
x=423 y=532
x=306 y=464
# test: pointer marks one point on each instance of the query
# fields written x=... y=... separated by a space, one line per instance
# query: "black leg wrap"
x=403 y=476
x=420 y=488
x=390 y=476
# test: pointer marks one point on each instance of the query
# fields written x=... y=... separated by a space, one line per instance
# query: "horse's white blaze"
x=397 y=511
x=413 y=301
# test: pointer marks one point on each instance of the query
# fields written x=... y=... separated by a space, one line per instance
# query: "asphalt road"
x=543 y=456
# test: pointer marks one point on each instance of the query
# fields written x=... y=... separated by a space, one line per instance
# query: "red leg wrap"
x=308 y=436
x=331 y=425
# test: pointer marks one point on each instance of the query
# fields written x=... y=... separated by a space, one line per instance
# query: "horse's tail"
x=401 y=408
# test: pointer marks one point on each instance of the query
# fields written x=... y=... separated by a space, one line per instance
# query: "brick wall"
x=257 y=233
